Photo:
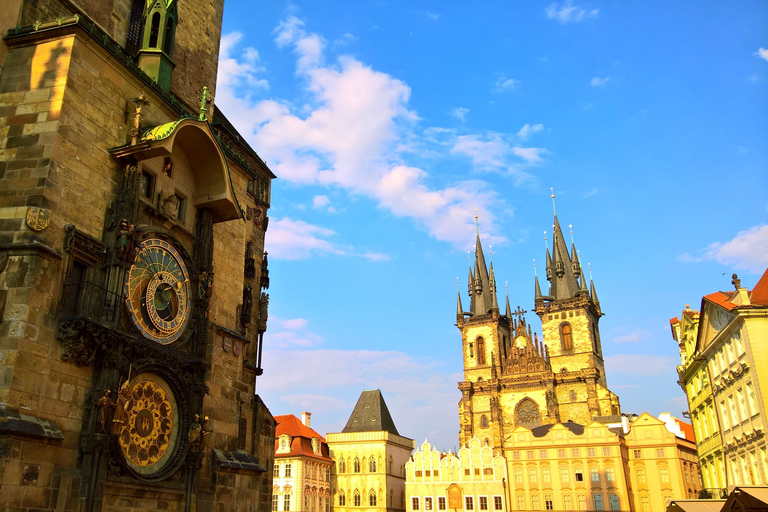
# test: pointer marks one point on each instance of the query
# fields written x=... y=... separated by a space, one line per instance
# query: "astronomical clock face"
x=158 y=291
x=151 y=429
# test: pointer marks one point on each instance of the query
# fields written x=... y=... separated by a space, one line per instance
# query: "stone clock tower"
x=511 y=378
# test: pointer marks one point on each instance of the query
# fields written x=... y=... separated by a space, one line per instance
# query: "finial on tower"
x=552 y=190
x=534 y=269
x=477 y=223
x=545 y=241
x=570 y=227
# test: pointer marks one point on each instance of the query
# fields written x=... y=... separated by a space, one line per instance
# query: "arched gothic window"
x=480 y=351
x=566 y=336
x=372 y=498
x=154 y=30
x=342 y=466
x=372 y=465
x=527 y=414
x=342 y=499
x=356 y=465
x=168 y=39
x=573 y=396
x=483 y=421
x=356 y=498
x=390 y=465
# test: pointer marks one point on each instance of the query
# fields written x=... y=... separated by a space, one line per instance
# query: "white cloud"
x=320 y=202
x=599 y=82
x=569 y=13
x=295 y=239
x=432 y=15
x=748 y=250
x=352 y=135
x=762 y=53
x=639 y=364
x=505 y=84
x=291 y=333
x=591 y=192
x=375 y=256
x=483 y=153
x=527 y=130
x=459 y=113
x=531 y=155
x=632 y=336
x=232 y=72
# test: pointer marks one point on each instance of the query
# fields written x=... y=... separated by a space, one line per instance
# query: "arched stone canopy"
x=192 y=141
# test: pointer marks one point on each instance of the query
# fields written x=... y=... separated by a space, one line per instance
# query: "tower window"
x=566 y=336
x=154 y=30
x=573 y=396
x=480 y=351
x=483 y=421
x=168 y=38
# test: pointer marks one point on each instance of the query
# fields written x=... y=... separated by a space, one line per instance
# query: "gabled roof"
x=760 y=291
x=301 y=444
x=721 y=299
x=371 y=415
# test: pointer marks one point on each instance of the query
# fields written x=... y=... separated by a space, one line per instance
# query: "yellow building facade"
x=730 y=343
x=370 y=457
x=694 y=379
x=473 y=479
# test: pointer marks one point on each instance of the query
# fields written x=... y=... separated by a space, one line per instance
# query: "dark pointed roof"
x=564 y=282
x=371 y=415
x=480 y=289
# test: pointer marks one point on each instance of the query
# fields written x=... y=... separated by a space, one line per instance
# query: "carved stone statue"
x=197 y=434
x=246 y=311
x=106 y=405
x=264 y=278
x=263 y=312
x=250 y=261
x=169 y=206
x=123 y=405
x=205 y=284
x=735 y=281
x=124 y=242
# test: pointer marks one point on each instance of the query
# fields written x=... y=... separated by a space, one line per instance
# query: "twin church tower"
x=511 y=377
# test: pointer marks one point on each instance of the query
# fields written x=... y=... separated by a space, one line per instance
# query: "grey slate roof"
x=371 y=415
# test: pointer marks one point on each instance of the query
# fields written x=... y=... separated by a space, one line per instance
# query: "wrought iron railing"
x=92 y=301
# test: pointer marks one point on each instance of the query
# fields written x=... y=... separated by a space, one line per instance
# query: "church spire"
x=492 y=286
x=564 y=281
x=508 y=311
x=536 y=277
x=459 y=308
x=592 y=292
x=481 y=285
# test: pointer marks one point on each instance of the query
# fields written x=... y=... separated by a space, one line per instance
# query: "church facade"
x=133 y=275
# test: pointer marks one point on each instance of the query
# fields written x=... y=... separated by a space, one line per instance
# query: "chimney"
x=305 y=418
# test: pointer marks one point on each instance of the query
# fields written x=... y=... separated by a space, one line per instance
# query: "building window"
x=286 y=502
x=561 y=453
x=610 y=474
x=645 y=504
x=606 y=451
x=516 y=455
x=356 y=498
x=287 y=471
x=576 y=453
x=594 y=475
x=664 y=475
x=565 y=336
x=274 y=502
x=535 y=502
x=483 y=502
x=390 y=465
x=477 y=471
x=613 y=499
x=436 y=473
x=591 y=452
x=372 y=499
x=497 y=503
x=545 y=476
x=342 y=466
x=356 y=465
x=428 y=503
x=486 y=471
x=582 y=502
x=469 y=503
x=660 y=452
x=276 y=471
x=641 y=476
x=372 y=465
x=441 y=503
x=418 y=472
x=328 y=474
x=414 y=503
x=598 y=501
x=342 y=499
x=579 y=475
x=529 y=454
x=518 y=476
x=567 y=503
x=480 y=351
x=543 y=454
x=638 y=454
x=533 y=477
x=466 y=472
x=565 y=476
x=428 y=472
x=548 y=503
x=572 y=395
x=147 y=184
x=520 y=502
x=483 y=421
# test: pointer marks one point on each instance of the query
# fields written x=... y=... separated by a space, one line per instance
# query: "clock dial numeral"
x=158 y=291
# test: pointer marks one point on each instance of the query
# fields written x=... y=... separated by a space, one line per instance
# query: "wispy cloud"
x=599 y=82
x=295 y=239
x=762 y=53
x=491 y=152
x=632 y=336
x=459 y=113
x=748 y=250
x=567 y=12
x=503 y=84
x=432 y=15
x=527 y=130
x=639 y=364
x=352 y=134
x=591 y=193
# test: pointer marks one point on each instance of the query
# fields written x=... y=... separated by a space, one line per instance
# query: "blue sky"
x=389 y=123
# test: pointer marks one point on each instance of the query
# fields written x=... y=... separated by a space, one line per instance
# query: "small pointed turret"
x=538 y=288
x=492 y=286
x=459 y=309
x=509 y=311
x=592 y=292
x=550 y=271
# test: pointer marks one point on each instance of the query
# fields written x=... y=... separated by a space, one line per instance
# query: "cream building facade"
x=473 y=479
x=302 y=470
x=370 y=457
x=732 y=331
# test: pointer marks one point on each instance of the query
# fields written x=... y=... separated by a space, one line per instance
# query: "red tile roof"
x=301 y=443
x=674 y=321
x=760 y=291
x=721 y=299
x=687 y=429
